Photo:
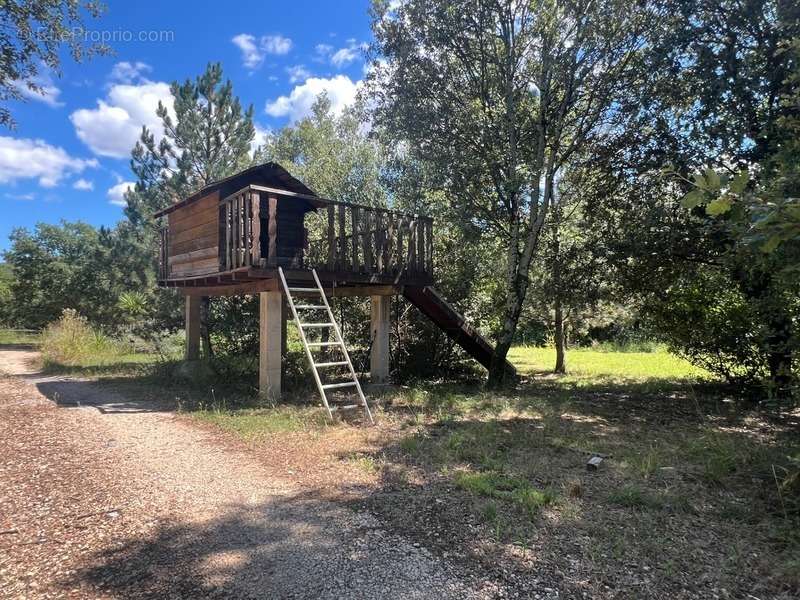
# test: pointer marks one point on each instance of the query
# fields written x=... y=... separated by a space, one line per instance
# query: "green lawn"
x=591 y=367
x=18 y=337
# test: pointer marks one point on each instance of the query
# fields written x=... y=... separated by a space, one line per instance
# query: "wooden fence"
x=362 y=239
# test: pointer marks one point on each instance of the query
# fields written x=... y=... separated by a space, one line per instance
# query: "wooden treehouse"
x=263 y=232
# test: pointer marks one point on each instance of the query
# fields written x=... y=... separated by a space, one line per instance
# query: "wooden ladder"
x=339 y=343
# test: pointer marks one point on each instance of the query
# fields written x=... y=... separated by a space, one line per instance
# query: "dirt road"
x=102 y=496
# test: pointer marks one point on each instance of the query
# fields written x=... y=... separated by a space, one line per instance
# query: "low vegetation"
x=501 y=476
x=19 y=337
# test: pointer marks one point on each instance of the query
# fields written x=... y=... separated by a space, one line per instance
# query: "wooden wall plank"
x=193 y=255
x=194 y=233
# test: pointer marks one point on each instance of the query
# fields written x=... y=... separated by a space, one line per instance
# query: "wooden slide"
x=449 y=320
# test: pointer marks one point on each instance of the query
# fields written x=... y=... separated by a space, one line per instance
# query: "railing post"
x=388 y=242
x=226 y=209
x=421 y=244
x=237 y=232
x=331 y=237
x=400 y=261
x=367 y=241
x=429 y=239
x=248 y=230
x=255 y=209
x=342 y=258
x=272 y=231
x=354 y=221
x=379 y=240
x=412 y=244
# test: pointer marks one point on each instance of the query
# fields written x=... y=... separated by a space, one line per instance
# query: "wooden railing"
x=350 y=238
x=362 y=239
x=240 y=231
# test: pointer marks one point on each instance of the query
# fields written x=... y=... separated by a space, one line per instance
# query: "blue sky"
x=68 y=158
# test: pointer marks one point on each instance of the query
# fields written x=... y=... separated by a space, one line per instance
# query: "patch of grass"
x=589 y=367
x=644 y=462
x=512 y=489
x=21 y=337
x=721 y=455
x=410 y=444
x=253 y=423
x=364 y=463
x=633 y=496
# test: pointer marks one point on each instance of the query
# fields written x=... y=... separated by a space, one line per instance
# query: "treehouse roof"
x=268 y=174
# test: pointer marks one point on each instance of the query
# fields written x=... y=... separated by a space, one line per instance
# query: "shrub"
x=72 y=341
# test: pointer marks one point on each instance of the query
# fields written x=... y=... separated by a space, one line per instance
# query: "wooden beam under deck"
x=273 y=285
x=255 y=280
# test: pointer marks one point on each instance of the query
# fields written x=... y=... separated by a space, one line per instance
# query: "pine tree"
x=208 y=139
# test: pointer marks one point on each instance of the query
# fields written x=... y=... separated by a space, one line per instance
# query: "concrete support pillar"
x=270 y=326
x=379 y=330
x=192 y=328
x=284 y=351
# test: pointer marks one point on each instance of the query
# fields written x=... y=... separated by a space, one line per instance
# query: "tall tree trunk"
x=560 y=338
x=498 y=373
x=517 y=282
x=757 y=286
x=779 y=355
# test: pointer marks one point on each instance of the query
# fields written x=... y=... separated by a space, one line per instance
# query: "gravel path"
x=105 y=497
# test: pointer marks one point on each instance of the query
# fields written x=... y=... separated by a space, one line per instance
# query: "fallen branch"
x=96 y=514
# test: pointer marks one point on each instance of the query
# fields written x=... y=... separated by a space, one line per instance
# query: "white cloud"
x=130 y=72
x=84 y=185
x=116 y=193
x=344 y=56
x=26 y=197
x=47 y=93
x=322 y=52
x=255 y=50
x=340 y=89
x=260 y=138
x=113 y=128
x=298 y=73
x=22 y=158
x=276 y=44
x=252 y=56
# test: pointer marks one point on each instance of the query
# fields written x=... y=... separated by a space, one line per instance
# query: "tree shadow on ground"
x=675 y=510
x=286 y=547
x=99 y=395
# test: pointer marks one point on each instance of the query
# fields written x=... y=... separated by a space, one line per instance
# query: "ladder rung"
x=345 y=407
x=332 y=386
x=309 y=307
x=331 y=364
x=304 y=290
x=316 y=324
x=317 y=344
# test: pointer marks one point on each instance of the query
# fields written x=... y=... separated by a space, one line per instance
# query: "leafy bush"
x=72 y=341
x=713 y=324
